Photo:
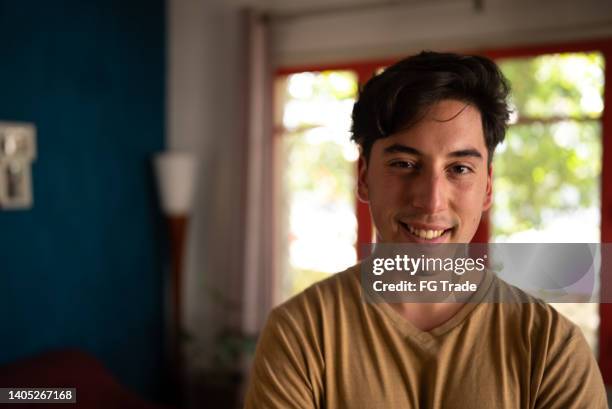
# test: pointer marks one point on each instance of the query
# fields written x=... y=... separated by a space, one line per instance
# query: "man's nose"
x=428 y=191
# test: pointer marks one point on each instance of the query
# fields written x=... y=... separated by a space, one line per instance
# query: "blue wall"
x=82 y=268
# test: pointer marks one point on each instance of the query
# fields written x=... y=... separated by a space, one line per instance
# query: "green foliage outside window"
x=319 y=181
x=550 y=163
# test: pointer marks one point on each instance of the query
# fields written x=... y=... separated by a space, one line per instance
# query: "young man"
x=427 y=127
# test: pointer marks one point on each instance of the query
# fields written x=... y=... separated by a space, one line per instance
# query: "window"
x=319 y=176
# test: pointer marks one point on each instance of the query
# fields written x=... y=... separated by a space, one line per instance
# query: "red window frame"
x=365 y=69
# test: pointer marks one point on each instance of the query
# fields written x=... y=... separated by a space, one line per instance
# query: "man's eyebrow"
x=399 y=148
x=396 y=147
x=466 y=152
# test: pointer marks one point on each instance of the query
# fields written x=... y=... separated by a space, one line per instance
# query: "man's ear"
x=363 y=192
x=488 y=200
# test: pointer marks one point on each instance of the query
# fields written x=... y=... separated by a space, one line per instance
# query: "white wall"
x=204 y=81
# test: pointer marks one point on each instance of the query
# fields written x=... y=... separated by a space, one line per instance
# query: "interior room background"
x=110 y=83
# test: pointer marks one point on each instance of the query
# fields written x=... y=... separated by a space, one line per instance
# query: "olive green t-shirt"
x=326 y=348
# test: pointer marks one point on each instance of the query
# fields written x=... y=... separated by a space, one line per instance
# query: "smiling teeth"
x=426 y=234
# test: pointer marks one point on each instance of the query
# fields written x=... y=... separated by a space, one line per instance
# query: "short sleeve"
x=571 y=377
x=283 y=367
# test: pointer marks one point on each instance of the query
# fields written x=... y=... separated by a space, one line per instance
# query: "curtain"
x=260 y=271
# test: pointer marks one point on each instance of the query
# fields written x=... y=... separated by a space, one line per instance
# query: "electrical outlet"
x=17 y=152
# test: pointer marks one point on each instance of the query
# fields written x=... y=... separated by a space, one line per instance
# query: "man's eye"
x=461 y=169
x=402 y=164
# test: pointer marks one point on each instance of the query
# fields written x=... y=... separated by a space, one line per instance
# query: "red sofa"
x=96 y=388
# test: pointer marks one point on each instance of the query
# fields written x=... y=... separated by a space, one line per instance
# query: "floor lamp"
x=176 y=174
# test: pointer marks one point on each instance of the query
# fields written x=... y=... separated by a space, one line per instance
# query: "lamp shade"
x=176 y=175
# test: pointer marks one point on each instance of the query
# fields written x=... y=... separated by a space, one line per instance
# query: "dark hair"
x=397 y=98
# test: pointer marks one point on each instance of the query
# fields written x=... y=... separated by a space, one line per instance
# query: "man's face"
x=430 y=183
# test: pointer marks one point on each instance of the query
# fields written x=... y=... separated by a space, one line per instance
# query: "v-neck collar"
x=408 y=329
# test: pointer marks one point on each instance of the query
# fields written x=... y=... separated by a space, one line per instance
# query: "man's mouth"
x=422 y=233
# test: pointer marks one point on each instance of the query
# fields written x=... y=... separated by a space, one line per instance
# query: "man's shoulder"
x=322 y=297
x=563 y=367
x=527 y=313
